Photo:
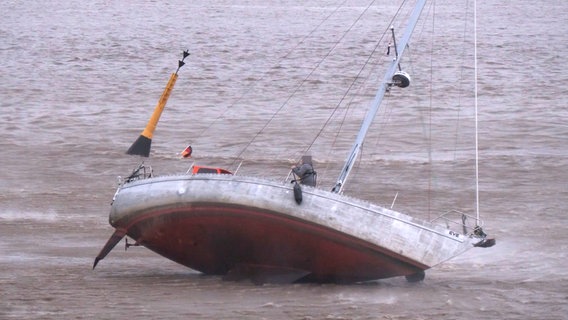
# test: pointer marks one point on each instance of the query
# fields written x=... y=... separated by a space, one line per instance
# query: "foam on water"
x=48 y=216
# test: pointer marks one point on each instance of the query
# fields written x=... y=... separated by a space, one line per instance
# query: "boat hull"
x=250 y=228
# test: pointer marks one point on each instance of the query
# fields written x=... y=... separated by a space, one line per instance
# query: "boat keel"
x=416 y=277
x=261 y=274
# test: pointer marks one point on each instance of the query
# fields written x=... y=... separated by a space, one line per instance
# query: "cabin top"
x=202 y=169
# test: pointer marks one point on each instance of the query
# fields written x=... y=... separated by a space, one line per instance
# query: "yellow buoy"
x=142 y=145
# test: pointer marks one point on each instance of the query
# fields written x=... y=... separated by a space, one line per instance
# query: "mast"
x=392 y=77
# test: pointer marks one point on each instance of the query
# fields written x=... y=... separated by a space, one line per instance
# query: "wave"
x=49 y=215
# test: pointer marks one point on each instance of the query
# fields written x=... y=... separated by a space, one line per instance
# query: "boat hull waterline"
x=251 y=228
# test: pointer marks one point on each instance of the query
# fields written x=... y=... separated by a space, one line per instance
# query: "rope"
x=476 y=126
x=307 y=77
x=388 y=111
x=357 y=77
x=278 y=63
x=429 y=137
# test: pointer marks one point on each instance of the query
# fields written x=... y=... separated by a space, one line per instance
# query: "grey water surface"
x=79 y=80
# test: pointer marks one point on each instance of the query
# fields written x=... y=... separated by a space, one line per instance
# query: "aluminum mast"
x=392 y=77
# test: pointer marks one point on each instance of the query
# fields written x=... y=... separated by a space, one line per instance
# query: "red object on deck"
x=186 y=153
x=201 y=169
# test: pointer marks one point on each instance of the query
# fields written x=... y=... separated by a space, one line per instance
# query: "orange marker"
x=142 y=145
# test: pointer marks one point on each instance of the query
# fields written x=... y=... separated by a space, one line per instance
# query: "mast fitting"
x=401 y=79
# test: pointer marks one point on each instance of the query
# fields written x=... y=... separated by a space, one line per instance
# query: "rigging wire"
x=388 y=111
x=460 y=83
x=351 y=86
x=475 y=100
x=279 y=62
x=357 y=77
x=300 y=85
x=459 y=109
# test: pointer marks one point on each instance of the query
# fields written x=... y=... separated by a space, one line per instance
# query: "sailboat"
x=242 y=227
